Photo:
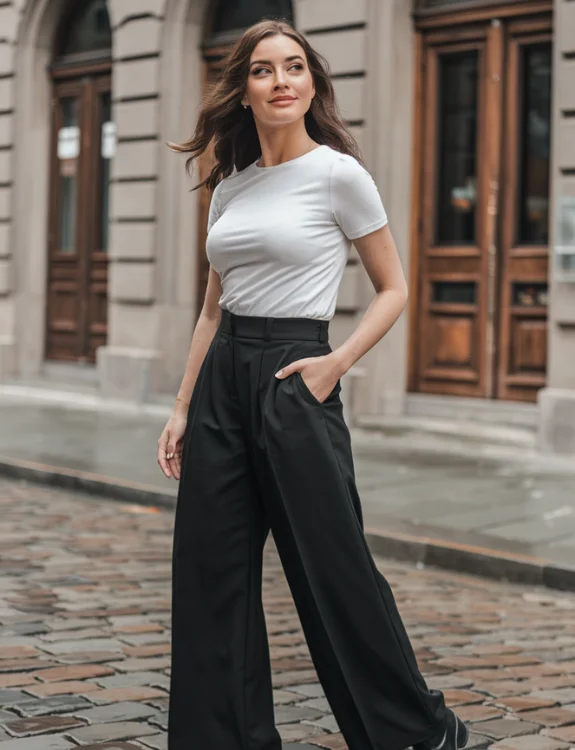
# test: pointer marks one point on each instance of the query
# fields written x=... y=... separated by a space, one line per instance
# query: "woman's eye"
x=256 y=71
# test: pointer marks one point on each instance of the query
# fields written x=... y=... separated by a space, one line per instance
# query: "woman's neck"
x=276 y=151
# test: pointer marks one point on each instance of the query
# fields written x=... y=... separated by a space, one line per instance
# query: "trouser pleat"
x=346 y=606
x=220 y=682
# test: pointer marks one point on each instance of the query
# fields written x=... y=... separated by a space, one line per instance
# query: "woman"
x=257 y=437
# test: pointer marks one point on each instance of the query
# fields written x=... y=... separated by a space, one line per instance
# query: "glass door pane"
x=533 y=167
x=107 y=152
x=456 y=204
x=68 y=171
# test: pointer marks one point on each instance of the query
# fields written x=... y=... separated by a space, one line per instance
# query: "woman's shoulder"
x=224 y=186
x=345 y=166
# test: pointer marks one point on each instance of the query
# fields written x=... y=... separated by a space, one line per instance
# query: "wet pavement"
x=84 y=637
x=517 y=503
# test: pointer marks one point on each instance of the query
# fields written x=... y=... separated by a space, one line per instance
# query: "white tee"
x=279 y=237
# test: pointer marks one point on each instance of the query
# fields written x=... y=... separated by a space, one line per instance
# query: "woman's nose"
x=280 y=79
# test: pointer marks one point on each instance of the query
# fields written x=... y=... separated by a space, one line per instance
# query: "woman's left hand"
x=320 y=374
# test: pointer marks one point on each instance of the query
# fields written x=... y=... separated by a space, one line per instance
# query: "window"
x=236 y=15
x=86 y=31
x=533 y=177
x=421 y=6
x=437 y=3
x=457 y=148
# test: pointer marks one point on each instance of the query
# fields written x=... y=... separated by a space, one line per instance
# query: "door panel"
x=453 y=254
x=63 y=316
x=97 y=241
x=479 y=327
x=525 y=218
x=77 y=259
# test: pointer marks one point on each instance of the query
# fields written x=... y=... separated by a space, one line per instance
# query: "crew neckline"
x=289 y=161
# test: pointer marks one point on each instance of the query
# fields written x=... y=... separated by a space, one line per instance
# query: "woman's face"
x=280 y=87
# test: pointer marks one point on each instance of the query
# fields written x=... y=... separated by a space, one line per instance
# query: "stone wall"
x=557 y=401
x=9 y=18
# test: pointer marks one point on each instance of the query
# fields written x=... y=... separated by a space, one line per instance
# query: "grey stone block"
x=120 y=10
x=140 y=36
x=13 y=697
x=557 y=421
x=114 y=712
x=56 y=704
x=124 y=730
x=7 y=357
x=157 y=742
x=125 y=372
x=45 y=742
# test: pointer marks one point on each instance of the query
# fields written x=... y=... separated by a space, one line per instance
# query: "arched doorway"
x=82 y=145
x=225 y=23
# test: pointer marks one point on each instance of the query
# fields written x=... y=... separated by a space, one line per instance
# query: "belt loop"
x=231 y=321
x=269 y=324
x=323 y=331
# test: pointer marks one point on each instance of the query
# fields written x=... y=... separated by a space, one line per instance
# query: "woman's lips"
x=282 y=102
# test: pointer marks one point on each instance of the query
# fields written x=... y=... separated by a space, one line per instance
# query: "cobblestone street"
x=84 y=649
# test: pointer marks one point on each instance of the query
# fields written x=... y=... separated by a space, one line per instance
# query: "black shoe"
x=456 y=736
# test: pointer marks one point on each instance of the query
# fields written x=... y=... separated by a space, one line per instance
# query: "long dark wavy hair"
x=225 y=122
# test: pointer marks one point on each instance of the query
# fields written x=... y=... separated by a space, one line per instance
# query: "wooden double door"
x=483 y=154
x=83 y=142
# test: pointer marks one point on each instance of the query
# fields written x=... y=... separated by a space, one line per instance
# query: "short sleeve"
x=215 y=209
x=355 y=199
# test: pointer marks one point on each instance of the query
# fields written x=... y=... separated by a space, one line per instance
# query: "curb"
x=475 y=560
x=91 y=484
x=397 y=545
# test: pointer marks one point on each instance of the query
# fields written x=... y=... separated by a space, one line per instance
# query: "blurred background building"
x=465 y=114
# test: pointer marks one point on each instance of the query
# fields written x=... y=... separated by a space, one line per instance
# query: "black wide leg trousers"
x=261 y=453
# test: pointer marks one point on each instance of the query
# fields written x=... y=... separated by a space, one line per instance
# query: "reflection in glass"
x=436 y=3
x=68 y=172
x=454 y=292
x=530 y=295
x=457 y=139
x=106 y=153
x=566 y=266
x=533 y=219
x=88 y=29
x=234 y=15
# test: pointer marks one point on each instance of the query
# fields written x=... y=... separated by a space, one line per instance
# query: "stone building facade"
x=101 y=241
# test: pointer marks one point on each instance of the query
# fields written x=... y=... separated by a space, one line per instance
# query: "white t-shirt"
x=279 y=237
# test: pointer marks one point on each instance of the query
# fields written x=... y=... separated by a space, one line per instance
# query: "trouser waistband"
x=268 y=328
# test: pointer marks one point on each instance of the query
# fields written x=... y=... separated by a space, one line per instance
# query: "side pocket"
x=310 y=396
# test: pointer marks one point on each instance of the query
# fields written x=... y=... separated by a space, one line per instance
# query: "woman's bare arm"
x=204 y=332
x=380 y=258
x=170 y=442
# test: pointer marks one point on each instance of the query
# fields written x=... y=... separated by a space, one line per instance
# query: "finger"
x=170 y=449
x=288 y=369
x=175 y=460
x=170 y=462
x=163 y=461
x=177 y=465
x=173 y=457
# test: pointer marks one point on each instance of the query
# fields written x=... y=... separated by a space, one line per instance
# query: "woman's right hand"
x=170 y=445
